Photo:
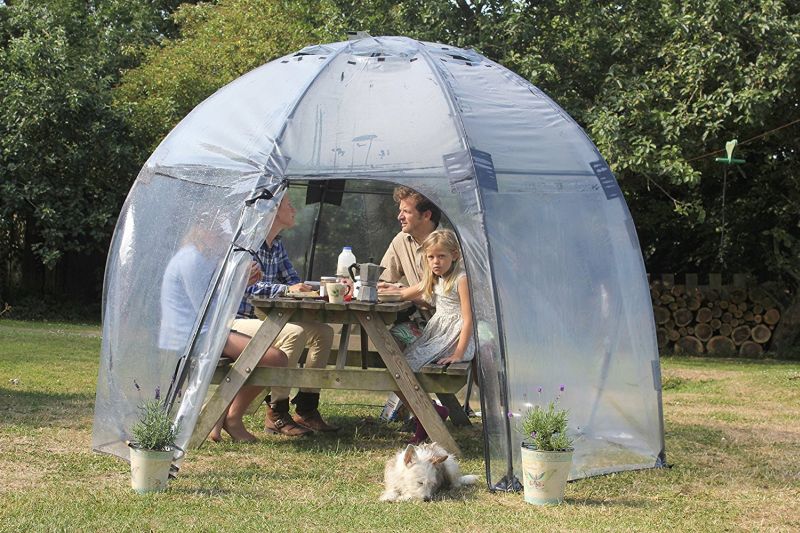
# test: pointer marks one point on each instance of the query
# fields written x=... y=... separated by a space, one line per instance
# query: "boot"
x=420 y=434
x=307 y=409
x=279 y=422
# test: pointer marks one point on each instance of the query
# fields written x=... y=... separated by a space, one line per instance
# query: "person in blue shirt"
x=187 y=277
x=272 y=275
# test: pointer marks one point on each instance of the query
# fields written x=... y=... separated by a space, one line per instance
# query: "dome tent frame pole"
x=511 y=481
x=274 y=170
x=266 y=193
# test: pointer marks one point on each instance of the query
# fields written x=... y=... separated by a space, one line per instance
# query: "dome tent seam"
x=453 y=100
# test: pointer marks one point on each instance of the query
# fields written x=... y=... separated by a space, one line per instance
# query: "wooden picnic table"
x=374 y=318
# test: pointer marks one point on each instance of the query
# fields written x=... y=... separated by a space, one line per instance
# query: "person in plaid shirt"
x=272 y=275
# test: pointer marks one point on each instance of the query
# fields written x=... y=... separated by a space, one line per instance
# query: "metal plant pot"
x=545 y=475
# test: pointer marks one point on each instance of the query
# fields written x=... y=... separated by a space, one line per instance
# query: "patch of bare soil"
x=770 y=510
x=88 y=333
x=19 y=476
x=700 y=374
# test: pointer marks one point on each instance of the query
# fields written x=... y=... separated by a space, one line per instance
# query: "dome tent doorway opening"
x=558 y=284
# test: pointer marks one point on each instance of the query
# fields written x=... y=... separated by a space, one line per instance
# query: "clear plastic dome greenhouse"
x=558 y=285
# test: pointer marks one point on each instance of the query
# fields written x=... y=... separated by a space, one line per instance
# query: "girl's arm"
x=466 y=325
x=409 y=294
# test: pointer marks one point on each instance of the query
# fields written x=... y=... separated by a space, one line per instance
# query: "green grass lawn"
x=733 y=440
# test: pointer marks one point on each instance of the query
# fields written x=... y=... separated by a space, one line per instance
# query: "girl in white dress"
x=447 y=337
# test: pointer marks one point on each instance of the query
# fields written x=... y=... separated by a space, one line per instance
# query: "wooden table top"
x=314 y=303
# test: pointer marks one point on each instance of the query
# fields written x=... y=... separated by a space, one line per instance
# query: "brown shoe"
x=314 y=421
x=279 y=422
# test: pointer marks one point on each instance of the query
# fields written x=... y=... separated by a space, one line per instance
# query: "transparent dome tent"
x=558 y=285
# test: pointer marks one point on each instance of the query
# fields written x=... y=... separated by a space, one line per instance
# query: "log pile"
x=721 y=320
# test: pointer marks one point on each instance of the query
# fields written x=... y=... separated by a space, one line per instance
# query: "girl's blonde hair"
x=446 y=239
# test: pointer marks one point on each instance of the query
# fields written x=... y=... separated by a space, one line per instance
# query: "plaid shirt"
x=277 y=274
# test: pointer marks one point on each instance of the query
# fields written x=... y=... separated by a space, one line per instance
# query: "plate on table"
x=302 y=294
x=388 y=298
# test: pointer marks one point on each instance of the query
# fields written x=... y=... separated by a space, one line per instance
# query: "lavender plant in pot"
x=153 y=447
x=546 y=453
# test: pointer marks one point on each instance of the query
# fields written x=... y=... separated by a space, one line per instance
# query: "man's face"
x=410 y=219
x=286 y=213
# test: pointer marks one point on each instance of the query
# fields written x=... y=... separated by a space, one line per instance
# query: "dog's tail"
x=468 y=480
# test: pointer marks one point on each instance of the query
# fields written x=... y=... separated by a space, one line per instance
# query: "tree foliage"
x=714 y=71
x=65 y=159
x=659 y=86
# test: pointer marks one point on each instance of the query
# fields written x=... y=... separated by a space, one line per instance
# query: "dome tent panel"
x=168 y=254
x=578 y=323
x=372 y=111
x=365 y=219
x=210 y=163
x=236 y=127
x=507 y=117
x=508 y=167
x=577 y=275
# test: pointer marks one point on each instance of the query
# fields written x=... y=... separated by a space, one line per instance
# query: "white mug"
x=336 y=292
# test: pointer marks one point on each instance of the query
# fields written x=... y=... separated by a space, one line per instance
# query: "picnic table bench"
x=444 y=382
x=374 y=320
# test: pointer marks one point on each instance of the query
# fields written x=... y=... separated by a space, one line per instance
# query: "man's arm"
x=391 y=262
x=278 y=275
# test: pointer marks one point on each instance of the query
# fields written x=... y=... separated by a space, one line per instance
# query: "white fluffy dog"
x=417 y=472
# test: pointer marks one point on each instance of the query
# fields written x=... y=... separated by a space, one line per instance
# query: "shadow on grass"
x=211 y=492
x=370 y=434
x=694 y=435
x=45 y=409
x=603 y=502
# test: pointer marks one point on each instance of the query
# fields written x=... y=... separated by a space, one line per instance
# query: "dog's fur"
x=417 y=472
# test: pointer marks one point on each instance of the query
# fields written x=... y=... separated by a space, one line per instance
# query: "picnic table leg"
x=457 y=414
x=406 y=381
x=344 y=341
x=238 y=374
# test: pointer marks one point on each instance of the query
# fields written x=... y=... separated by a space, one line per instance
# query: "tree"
x=65 y=159
x=657 y=85
x=217 y=44
x=699 y=74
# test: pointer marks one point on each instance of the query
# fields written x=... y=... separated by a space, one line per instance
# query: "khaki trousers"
x=292 y=340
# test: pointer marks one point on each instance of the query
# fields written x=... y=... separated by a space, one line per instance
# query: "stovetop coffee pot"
x=369 y=274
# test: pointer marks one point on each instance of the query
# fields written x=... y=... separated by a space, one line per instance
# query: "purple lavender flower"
x=561 y=388
x=158 y=393
x=539 y=390
x=510 y=414
x=533 y=434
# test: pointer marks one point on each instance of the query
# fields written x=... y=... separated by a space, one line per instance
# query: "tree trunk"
x=662 y=337
x=661 y=314
x=703 y=332
x=787 y=333
x=771 y=316
x=704 y=314
x=740 y=334
x=682 y=317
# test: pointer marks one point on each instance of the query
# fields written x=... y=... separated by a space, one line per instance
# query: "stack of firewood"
x=716 y=321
